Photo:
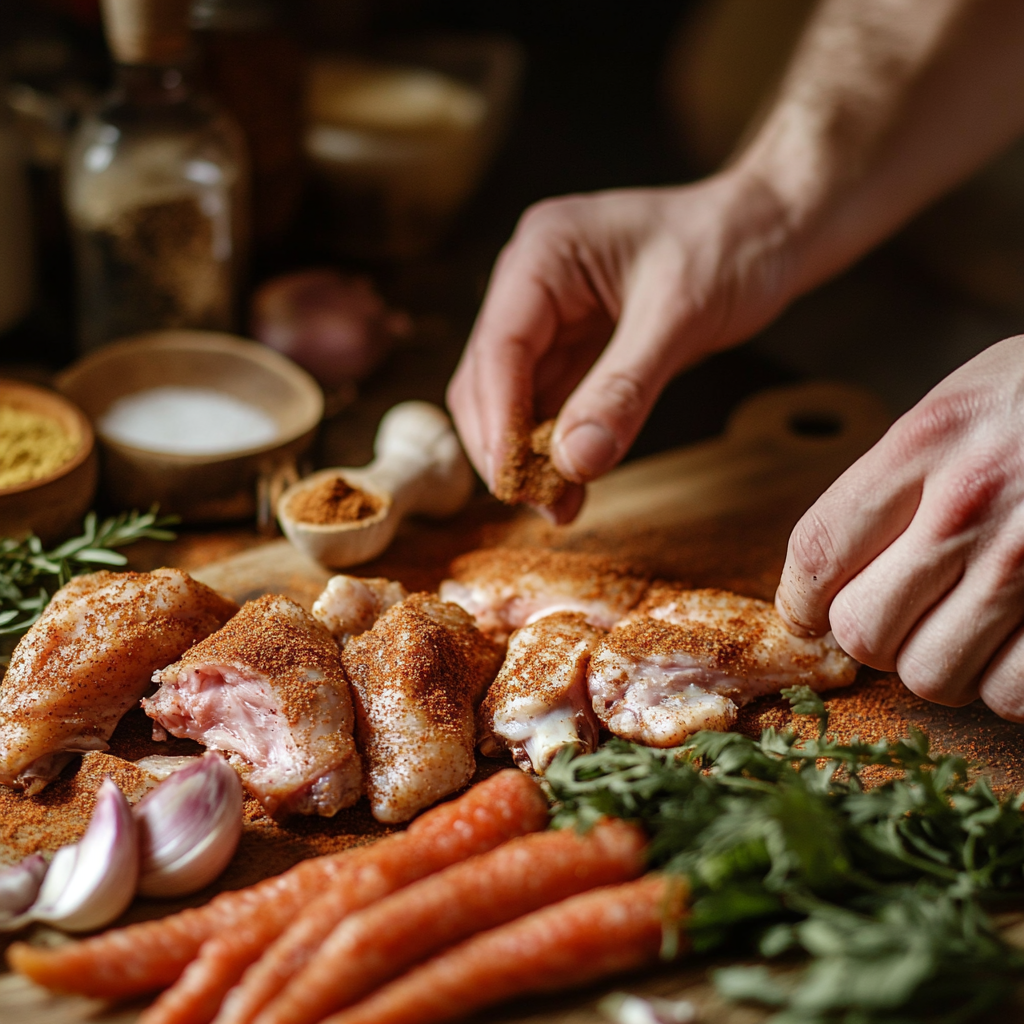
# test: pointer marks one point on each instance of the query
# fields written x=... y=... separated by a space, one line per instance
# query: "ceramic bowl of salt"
x=208 y=425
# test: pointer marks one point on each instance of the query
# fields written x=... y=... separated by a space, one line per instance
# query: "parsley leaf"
x=885 y=890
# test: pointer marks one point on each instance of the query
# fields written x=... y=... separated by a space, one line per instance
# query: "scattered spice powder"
x=32 y=446
x=333 y=501
x=528 y=474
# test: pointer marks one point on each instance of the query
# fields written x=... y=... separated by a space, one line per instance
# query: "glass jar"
x=155 y=189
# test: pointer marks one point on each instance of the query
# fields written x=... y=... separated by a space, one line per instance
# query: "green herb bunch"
x=29 y=575
x=887 y=888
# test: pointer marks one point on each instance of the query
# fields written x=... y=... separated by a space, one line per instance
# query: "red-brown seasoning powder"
x=333 y=501
x=528 y=474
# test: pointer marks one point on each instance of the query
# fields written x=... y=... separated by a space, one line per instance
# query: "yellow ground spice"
x=32 y=446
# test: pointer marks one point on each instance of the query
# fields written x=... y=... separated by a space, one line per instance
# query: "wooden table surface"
x=715 y=514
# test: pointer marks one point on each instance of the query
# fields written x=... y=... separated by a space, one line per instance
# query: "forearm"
x=886 y=105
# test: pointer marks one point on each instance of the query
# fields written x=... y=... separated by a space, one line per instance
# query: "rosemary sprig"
x=29 y=575
x=884 y=889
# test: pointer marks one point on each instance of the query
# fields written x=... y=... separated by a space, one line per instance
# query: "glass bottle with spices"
x=155 y=188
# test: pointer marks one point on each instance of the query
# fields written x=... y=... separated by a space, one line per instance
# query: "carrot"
x=507 y=804
x=578 y=940
x=375 y=945
x=144 y=957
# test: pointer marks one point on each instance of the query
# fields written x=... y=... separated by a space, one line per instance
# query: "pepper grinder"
x=156 y=188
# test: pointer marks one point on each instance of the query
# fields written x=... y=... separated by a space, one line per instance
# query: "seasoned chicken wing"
x=269 y=688
x=89 y=659
x=505 y=588
x=539 y=702
x=685 y=660
x=418 y=676
x=350 y=605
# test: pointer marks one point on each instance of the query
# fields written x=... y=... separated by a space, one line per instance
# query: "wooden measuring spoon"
x=419 y=467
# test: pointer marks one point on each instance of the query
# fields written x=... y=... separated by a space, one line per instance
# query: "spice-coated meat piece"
x=539 y=702
x=350 y=605
x=89 y=658
x=417 y=677
x=527 y=474
x=685 y=660
x=505 y=588
x=269 y=688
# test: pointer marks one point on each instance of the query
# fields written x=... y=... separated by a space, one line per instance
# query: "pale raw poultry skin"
x=417 y=678
x=350 y=605
x=507 y=588
x=270 y=690
x=89 y=659
x=539 y=702
x=686 y=660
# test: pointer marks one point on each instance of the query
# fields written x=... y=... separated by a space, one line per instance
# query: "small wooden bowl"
x=200 y=488
x=52 y=504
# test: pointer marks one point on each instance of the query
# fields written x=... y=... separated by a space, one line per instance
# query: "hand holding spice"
x=527 y=475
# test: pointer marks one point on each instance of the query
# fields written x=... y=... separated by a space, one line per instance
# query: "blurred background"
x=389 y=146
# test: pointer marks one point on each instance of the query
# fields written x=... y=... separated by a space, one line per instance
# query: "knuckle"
x=852 y=634
x=1006 y=561
x=935 y=420
x=925 y=674
x=623 y=395
x=966 y=495
x=545 y=218
x=1005 y=699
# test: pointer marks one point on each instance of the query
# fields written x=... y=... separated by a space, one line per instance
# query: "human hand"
x=915 y=555
x=599 y=300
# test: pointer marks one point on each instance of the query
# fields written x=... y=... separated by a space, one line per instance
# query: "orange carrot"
x=566 y=944
x=507 y=804
x=144 y=957
x=377 y=944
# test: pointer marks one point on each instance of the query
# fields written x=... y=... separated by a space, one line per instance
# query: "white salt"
x=186 y=421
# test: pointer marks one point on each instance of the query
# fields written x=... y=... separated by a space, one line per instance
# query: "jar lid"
x=146 y=31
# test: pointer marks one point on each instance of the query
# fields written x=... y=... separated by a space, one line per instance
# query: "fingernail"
x=586 y=450
x=489 y=470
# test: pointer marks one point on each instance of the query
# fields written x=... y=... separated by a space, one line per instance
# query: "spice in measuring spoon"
x=332 y=502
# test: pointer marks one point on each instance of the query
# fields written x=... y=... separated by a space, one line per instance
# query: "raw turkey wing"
x=89 y=658
x=685 y=660
x=418 y=676
x=505 y=588
x=539 y=702
x=269 y=688
x=350 y=605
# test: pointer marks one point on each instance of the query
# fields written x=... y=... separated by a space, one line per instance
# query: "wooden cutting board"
x=714 y=514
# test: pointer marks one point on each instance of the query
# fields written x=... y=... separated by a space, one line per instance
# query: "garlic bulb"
x=189 y=827
x=19 y=886
x=91 y=882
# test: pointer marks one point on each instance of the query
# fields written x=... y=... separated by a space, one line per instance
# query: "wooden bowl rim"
x=183 y=340
x=87 y=439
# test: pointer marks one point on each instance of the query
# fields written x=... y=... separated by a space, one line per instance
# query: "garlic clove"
x=189 y=827
x=92 y=882
x=19 y=887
